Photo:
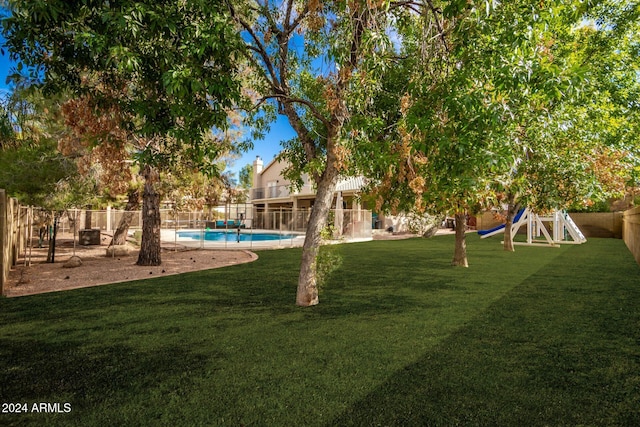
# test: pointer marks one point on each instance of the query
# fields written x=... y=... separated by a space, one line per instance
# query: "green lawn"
x=541 y=336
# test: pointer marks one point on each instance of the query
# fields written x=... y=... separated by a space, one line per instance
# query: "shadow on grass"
x=400 y=338
x=560 y=349
x=64 y=371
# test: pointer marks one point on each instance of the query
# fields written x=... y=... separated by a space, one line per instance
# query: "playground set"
x=563 y=229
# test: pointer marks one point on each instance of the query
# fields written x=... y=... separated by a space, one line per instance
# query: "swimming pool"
x=232 y=236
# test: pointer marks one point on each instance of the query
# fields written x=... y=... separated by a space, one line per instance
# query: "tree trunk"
x=460 y=254
x=150 y=246
x=307 y=293
x=512 y=209
x=51 y=254
x=120 y=235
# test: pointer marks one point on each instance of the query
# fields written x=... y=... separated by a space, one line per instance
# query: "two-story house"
x=276 y=204
x=272 y=191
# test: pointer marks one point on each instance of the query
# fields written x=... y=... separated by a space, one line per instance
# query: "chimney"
x=257 y=170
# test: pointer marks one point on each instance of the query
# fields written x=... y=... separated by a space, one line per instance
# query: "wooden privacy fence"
x=631 y=231
x=13 y=225
x=599 y=224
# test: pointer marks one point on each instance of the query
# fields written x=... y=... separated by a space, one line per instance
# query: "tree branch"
x=441 y=33
x=258 y=47
x=296 y=22
x=293 y=100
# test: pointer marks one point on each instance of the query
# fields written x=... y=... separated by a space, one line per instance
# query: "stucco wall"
x=269 y=183
x=271 y=173
x=631 y=231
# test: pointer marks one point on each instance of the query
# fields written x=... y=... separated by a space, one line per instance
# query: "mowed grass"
x=542 y=336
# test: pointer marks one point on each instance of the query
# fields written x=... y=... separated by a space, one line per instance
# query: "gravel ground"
x=99 y=269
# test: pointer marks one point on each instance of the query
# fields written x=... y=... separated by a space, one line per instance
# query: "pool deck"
x=169 y=236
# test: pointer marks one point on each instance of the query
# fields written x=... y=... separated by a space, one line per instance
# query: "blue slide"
x=499 y=228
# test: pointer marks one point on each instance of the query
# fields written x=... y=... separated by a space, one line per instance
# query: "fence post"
x=29 y=238
x=175 y=236
x=9 y=237
x=4 y=259
x=280 y=228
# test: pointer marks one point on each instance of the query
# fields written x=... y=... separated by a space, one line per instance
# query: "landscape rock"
x=73 y=262
x=430 y=232
x=117 y=250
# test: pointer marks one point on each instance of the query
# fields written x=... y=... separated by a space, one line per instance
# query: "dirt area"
x=99 y=269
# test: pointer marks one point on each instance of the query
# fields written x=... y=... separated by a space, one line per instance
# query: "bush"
x=328 y=261
x=425 y=225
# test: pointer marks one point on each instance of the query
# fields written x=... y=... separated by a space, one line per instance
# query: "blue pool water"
x=232 y=236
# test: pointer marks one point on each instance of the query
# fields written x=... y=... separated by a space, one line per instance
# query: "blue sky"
x=4 y=70
x=267 y=148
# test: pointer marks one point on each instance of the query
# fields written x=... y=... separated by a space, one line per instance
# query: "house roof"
x=355 y=183
x=270 y=164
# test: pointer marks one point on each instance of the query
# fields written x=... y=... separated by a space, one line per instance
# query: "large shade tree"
x=33 y=169
x=611 y=48
x=470 y=67
x=31 y=166
x=7 y=131
x=171 y=66
x=540 y=155
x=102 y=147
x=309 y=61
x=582 y=147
